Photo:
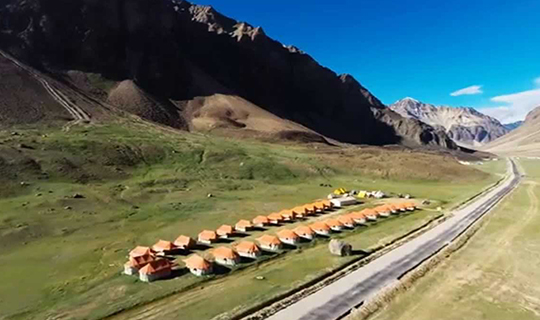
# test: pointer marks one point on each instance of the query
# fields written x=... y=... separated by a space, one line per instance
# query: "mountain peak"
x=464 y=124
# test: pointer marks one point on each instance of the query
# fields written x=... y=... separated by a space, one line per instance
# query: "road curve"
x=76 y=112
x=337 y=299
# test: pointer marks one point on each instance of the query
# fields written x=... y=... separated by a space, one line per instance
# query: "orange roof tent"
x=155 y=270
x=288 y=236
x=248 y=249
x=225 y=256
x=275 y=218
x=207 y=236
x=269 y=242
x=184 y=242
x=163 y=246
x=288 y=215
x=370 y=214
x=198 y=265
x=225 y=231
x=304 y=232
x=140 y=251
x=243 y=225
x=334 y=224
x=320 y=228
x=347 y=221
x=261 y=221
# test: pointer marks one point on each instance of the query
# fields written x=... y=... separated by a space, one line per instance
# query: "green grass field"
x=61 y=256
x=495 y=276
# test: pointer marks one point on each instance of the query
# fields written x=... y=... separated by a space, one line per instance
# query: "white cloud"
x=515 y=106
x=537 y=82
x=468 y=91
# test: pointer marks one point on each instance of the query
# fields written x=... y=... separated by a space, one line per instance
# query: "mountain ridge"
x=464 y=124
x=172 y=52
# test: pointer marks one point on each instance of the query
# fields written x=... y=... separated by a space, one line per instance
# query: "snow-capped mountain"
x=466 y=126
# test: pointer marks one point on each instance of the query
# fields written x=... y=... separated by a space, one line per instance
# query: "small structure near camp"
x=288 y=237
x=401 y=207
x=225 y=231
x=327 y=204
x=261 y=221
x=300 y=212
x=226 y=256
x=134 y=264
x=184 y=242
x=343 y=202
x=358 y=217
x=383 y=211
x=288 y=215
x=207 y=237
x=269 y=243
x=163 y=247
x=340 y=248
x=393 y=208
x=141 y=251
x=198 y=265
x=243 y=226
x=305 y=232
x=275 y=218
x=155 y=270
x=411 y=206
x=334 y=224
x=347 y=221
x=320 y=228
x=248 y=249
x=371 y=215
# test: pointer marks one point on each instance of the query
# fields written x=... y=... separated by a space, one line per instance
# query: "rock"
x=339 y=248
x=426 y=202
x=39 y=194
x=24 y=184
x=260 y=278
x=67 y=208
x=78 y=196
x=25 y=146
x=210 y=195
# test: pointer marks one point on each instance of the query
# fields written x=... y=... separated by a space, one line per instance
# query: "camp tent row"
x=147 y=264
x=274 y=243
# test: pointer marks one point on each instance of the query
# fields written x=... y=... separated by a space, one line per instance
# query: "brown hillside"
x=524 y=141
x=23 y=99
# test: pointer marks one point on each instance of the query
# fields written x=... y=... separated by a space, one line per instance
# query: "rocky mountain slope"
x=465 y=125
x=152 y=57
x=513 y=125
x=524 y=141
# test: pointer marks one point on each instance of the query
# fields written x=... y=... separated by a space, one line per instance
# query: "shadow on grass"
x=261 y=229
x=226 y=240
x=265 y=253
x=240 y=235
x=359 y=252
x=220 y=269
x=286 y=246
x=201 y=247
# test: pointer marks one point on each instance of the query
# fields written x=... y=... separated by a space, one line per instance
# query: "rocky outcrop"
x=174 y=51
x=464 y=125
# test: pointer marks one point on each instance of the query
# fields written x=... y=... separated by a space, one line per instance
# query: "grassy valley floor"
x=495 y=276
x=61 y=255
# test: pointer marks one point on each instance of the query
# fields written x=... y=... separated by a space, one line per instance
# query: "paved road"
x=337 y=299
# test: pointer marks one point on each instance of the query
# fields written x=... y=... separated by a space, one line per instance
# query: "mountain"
x=465 y=125
x=513 y=125
x=524 y=141
x=189 y=67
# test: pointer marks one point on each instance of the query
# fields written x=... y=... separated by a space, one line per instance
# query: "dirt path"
x=452 y=285
x=76 y=112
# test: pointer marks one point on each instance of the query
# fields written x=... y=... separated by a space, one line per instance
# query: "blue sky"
x=422 y=49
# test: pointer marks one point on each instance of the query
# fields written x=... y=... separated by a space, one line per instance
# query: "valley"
x=141 y=183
